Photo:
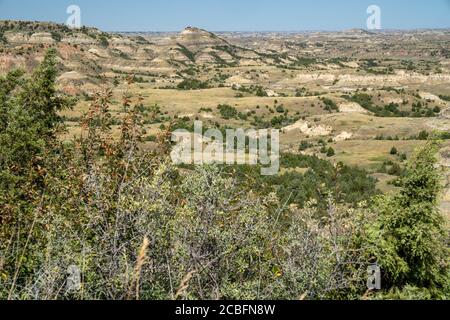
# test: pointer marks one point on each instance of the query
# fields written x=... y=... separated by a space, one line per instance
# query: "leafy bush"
x=348 y=184
x=256 y=90
x=103 y=41
x=330 y=105
x=392 y=109
x=280 y=109
x=56 y=36
x=192 y=84
x=330 y=152
x=304 y=145
x=227 y=112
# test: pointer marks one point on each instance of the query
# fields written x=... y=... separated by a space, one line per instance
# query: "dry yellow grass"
x=184 y=285
x=140 y=261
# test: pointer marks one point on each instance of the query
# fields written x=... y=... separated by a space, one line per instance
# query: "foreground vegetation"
x=139 y=228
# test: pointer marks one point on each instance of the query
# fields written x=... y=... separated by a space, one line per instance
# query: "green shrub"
x=330 y=105
x=304 y=145
x=227 y=112
x=192 y=84
x=330 y=152
x=280 y=109
x=393 y=151
x=103 y=41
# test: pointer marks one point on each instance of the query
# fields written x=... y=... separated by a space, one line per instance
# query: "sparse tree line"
x=138 y=227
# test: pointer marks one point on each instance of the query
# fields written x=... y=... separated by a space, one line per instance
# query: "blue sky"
x=233 y=15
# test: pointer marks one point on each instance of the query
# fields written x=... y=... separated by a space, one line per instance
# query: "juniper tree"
x=409 y=234
x=29 y=119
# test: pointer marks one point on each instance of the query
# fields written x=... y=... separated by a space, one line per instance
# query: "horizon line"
x=246 y=31
x=284 y=31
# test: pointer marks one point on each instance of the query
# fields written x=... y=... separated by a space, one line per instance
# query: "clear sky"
x=233 y=15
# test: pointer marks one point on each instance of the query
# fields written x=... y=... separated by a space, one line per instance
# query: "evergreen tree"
x=409 y=234
x=28 y=125
x=393 y=151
